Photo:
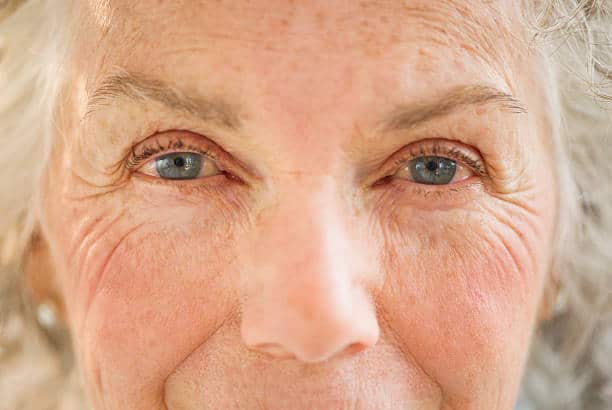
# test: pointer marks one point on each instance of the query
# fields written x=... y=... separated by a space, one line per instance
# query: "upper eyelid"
x=136 y=159
x=436 y=148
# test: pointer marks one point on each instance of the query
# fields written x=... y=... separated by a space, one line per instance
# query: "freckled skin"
x=302 y=287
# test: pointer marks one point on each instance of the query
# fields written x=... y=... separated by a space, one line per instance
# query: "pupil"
x=432 y=166
x=179 y=162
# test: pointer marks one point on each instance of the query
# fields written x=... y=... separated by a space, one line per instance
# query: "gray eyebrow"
x=409 y=116
x=139 y=88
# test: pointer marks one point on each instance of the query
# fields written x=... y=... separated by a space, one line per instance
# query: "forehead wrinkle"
x=103 y=14
x=487 y=35
x=436 y=15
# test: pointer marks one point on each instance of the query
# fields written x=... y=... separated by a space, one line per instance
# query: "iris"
x=432 y=170
x=181 y=165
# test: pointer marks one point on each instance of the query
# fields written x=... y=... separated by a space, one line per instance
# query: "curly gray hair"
x=570 y=366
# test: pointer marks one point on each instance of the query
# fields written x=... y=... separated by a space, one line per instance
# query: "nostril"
x=355 y=348
x=274 y=350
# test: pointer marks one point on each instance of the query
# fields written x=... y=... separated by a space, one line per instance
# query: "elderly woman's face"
x=301 y=205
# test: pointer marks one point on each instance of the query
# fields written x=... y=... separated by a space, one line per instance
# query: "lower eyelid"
x=216 y=184
x=450 y=194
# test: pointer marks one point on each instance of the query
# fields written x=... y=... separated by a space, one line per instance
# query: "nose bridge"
x=306 y=230
x=306 y=253
x=304 y=298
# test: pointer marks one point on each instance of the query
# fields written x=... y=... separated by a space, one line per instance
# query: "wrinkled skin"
x=309 y=274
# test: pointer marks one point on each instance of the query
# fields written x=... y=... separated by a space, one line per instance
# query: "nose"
x=305 y=282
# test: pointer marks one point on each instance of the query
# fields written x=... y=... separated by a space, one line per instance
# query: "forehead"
x=342 y=63
x=317 y=28
x=265 y=17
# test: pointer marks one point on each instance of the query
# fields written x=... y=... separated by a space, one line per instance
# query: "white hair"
x=570 y=365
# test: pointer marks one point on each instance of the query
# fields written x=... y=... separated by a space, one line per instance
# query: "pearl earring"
x=46 y=315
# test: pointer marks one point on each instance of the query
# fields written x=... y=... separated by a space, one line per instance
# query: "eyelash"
x=436 y=148
x=147 y=151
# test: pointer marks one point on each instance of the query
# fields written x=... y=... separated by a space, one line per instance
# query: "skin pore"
x=303 y=268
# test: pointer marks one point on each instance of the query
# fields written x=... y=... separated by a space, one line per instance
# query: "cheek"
x=135 y=282
x=461 y=285
x=152 y=291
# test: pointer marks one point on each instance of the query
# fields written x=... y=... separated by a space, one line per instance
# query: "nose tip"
x=339 y=329
x=307 y=279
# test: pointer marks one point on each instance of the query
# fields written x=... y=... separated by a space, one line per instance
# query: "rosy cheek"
x=462 y=283
x=157 y=283
x=138 y=279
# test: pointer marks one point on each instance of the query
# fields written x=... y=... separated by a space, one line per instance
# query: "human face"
x=302 y=256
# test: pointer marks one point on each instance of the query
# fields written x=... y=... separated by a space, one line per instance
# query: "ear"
x=40 y=276
x=549 y=298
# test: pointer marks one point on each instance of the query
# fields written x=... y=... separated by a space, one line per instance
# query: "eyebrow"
x=139 y=88
x=409 y=116
x=226 y=114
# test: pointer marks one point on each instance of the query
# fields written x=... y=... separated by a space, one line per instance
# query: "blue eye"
x=432 y=170
x=180 y=165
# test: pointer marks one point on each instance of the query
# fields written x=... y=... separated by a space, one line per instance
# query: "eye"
x=433 y=170
x=180 y=166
